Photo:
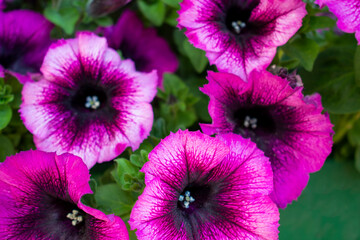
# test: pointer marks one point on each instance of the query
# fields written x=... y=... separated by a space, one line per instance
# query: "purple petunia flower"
x=240 y=35
x=89 y=102
x=24 y=40
x=140 y=44
x=40 y=196
x=199 y=187
x=347 y=12
x=287 y=126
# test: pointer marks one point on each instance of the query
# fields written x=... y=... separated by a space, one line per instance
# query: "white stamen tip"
x=238 y=25
x=74 y=217
x=92 y=102
x=250 y=122
x=187 y=199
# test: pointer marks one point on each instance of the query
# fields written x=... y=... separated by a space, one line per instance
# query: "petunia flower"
x=199 y=187
x=98 y=8
x=288 y=127
x=89 y=102
x=347 y=12
x=140 y=44
x=24 y=40
x=240 y=35
x=40 y=196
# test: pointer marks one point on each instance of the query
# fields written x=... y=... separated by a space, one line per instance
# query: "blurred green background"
x=329 y=207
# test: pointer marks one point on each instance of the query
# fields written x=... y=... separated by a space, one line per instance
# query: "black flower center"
x=61 y=219
x=237 y=19
x=89 y=98
x=253 y=121
x=238 y=14
x=49 y=217
x=194 y=197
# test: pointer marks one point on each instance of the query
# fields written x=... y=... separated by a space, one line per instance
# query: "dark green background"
x=329 y=207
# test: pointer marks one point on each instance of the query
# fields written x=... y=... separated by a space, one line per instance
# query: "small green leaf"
x=139 y=160
x=357 y=158
x=354 y=134
x=112 y=199
x=305 y=50
x=65 y=18
x=172 y=3
x=171 y=18
x=357 y=66
x=5 y=115
x=320 y=22
x=6 y=148
x=154 y=12
x=104 y=21
x=197 y=57
x=159 y=128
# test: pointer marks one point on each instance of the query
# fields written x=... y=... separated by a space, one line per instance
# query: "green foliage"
x=304 y=49
x=65 y=18
x=333 y=76
x=6 y=97
x=176 y=105
x=328 y=207
x=154 y=11
x=111 y=199
x=126 y=173
x=197 y=57
x=6 y=147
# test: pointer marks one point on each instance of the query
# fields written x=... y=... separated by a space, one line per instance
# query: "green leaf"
x=357 y=66
x=5 y=115
x=104 y=21
x=154 y=12
x=357 y=158
x=354 y=134
x=112 y=199
x=334 y=78
x=320 y=22
x=174 y=85
x=65 y=18
x=328 y=208
x=171 y=18
x=172 y=3
x=127 y=175
x=139 y=160
x=6 y=148
x=159 y=128
x=305 y=50
x=197 y=57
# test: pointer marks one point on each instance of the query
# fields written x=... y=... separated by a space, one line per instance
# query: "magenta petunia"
x=140 y=44
x=240 y=35
x=89 y=103
x=24 y=40
x=40 y=196
x=288 y=127
x=347 y=12
x=199 y=187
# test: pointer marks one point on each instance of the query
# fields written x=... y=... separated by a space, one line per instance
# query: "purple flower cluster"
x=91 y=99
